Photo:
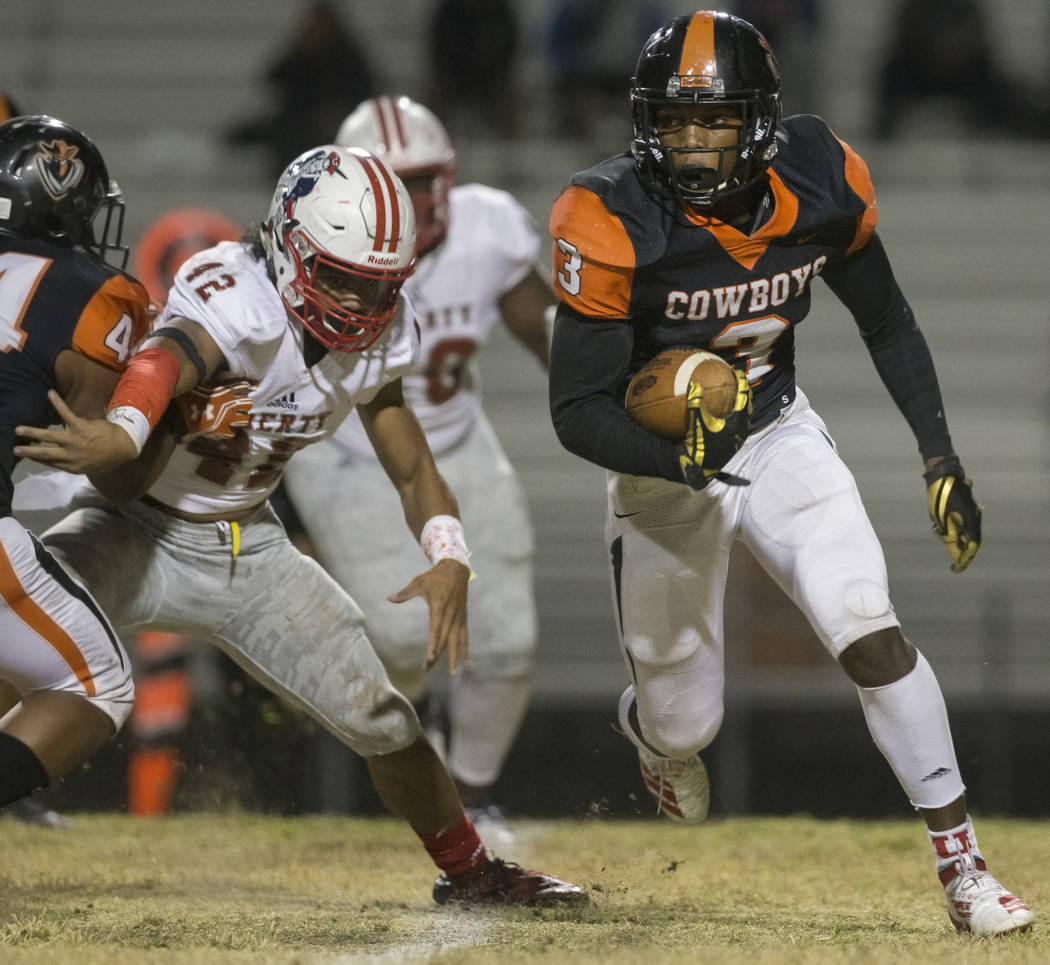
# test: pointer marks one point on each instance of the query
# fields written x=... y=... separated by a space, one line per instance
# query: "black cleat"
x=499 y=882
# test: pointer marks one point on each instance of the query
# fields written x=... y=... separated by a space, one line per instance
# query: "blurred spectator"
x=472 y=47
x=942 y=49
x=793 y=29
x=321 y=73
x=592 y=45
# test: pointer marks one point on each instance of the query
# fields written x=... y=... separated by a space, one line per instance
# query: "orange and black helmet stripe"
x=698 y=66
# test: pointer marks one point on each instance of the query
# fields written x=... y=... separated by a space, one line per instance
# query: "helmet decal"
x=60 y=168
x=300 y=178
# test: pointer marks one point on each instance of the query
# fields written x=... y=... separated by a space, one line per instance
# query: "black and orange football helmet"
x=54 y=187
x=706 y=57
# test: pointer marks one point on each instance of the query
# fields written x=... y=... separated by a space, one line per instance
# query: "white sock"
x=484 y=718
x=949 y=846
x=909 y=724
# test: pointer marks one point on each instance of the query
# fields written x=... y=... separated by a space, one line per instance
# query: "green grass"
x=322 y=890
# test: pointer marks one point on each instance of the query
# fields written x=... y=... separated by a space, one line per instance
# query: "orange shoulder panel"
x=593 y=258
x=113 y=322
x=858 y=178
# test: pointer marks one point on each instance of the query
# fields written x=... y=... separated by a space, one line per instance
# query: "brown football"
x=656 y=395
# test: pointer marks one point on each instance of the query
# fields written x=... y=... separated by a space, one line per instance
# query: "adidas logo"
x=286 y=401
x=933 y=775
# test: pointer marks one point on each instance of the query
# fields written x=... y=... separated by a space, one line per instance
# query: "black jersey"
x=641 y=274
x=52 y=299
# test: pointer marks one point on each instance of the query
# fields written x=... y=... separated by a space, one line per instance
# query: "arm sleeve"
x=589 y=365
x=865 y=284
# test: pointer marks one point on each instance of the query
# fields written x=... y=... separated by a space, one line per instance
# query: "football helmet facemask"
x=416 y=145
x=54 y=187
x=340 y=241
x=706 y=58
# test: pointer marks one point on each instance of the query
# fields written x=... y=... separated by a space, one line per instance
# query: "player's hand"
x=444 y=587
x=709 y=442
x=215 y=408
x=956 y=516
x=80 y=446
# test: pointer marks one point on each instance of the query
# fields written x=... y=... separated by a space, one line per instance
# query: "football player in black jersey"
x=68 y=322
x=709 y=233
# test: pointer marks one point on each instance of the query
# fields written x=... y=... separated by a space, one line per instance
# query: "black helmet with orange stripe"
x=706 y=58
x=54 y=187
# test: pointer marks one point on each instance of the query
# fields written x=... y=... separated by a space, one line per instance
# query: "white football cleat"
x=978 y=904
x=679 y=786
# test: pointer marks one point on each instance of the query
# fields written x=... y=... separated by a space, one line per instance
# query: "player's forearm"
x=588 y=362
x=425 y=496
x=866 y=286
x=133 y=479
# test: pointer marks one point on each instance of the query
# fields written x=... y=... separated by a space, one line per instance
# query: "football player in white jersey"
x=289 y=331
x=478 y=252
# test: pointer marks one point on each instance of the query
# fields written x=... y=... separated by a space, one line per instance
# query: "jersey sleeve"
x=859 y=180
x=502 y=227
x=593 y=258
x=223 y=291
x=113 y=322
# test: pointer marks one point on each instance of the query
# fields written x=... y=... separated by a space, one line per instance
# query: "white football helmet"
x=416 y=145
x=340 y=238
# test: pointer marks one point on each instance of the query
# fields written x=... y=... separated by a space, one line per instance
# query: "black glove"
x=956 y=517
x=709 y=442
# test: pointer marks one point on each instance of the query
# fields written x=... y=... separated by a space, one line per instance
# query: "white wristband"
x=442 y=539
x=133 y=422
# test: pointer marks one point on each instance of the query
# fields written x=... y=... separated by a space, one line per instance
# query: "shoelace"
x=965 y=866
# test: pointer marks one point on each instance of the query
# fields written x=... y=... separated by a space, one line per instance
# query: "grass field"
x=320 y=890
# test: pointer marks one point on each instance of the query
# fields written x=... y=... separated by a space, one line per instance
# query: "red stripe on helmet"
x=385 y=193
x=395 y=208
x=399 y=124
x=368 y=163
x=391 y=127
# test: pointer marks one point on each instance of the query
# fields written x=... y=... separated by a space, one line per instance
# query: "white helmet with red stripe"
x=416 y=145
x=340 y=238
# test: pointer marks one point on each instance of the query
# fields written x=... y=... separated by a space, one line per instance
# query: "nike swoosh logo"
x=806 y=238
x=625 y=515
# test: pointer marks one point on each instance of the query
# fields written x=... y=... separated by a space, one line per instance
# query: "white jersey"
x=227 y=291
x=491 y=245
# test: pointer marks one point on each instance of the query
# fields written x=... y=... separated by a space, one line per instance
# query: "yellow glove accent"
x=956 y=517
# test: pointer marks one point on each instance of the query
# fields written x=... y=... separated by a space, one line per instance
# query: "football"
x=656 y=395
